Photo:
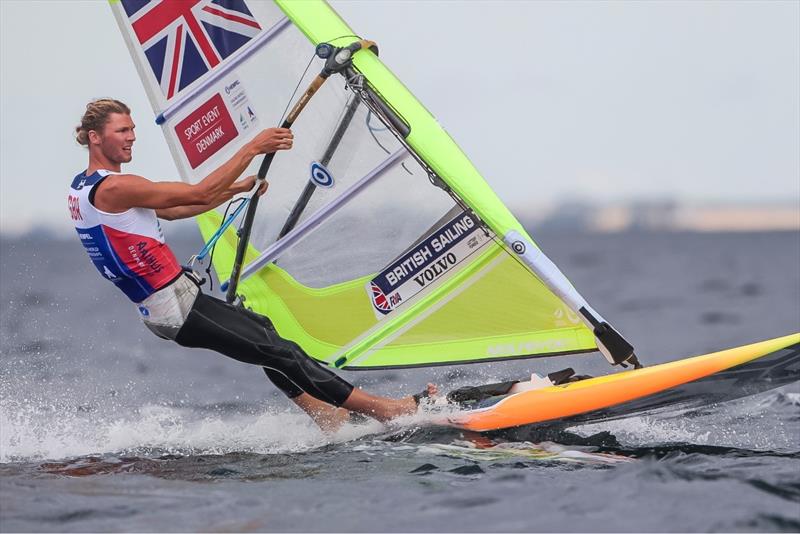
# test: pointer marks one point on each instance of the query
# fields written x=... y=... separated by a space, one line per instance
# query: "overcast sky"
x=552 y=101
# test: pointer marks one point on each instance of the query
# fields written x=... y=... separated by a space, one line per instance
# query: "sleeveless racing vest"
x=127 y=248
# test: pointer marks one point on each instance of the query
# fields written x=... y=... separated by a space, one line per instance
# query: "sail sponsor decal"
x=565 y=317
x=525 y=347
x=425 y=263
x=207 y=128
x=239 y=104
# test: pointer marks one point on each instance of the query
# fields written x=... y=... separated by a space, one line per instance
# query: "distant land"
x=665 y=216
x=582 y=217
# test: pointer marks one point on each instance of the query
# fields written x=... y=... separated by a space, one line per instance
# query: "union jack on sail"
x=184 y=39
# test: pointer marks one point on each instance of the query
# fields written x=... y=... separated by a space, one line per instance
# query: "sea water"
x=104 y=427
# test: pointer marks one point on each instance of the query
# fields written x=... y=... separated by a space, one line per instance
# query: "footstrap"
x=469 y=394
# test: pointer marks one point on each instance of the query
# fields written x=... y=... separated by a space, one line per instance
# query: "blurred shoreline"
x=659 y=215
x=663 y=216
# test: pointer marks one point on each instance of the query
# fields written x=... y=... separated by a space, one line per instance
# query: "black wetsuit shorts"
x=249 y=337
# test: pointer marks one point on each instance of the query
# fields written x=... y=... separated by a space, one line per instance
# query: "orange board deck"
x=685 y=383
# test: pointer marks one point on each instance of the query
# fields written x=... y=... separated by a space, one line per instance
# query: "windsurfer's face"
x=117 y=138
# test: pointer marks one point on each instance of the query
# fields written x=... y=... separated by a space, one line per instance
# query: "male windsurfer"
x=116 y=216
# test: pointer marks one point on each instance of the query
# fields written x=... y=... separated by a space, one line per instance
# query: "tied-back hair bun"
x=96 y=116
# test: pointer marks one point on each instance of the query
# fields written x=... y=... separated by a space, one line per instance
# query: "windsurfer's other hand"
x=245 y=185
x=272 y=140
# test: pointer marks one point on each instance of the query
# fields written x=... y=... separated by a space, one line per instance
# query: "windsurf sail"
x=378 y=245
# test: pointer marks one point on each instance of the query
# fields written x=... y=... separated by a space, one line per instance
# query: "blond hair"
x=96 y=117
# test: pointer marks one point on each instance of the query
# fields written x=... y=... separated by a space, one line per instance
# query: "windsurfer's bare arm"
x=120 y=192
x=184 y=212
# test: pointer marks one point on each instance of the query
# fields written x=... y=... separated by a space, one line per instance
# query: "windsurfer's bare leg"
x=327 y=417
x=382 y=408
x=251 y=338
x=330 y=418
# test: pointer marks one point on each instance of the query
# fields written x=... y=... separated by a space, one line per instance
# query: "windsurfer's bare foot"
x=430 y=391
x=384 y=409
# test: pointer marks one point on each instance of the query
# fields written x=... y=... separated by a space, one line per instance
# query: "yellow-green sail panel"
x=495 y=311
x=499 y=315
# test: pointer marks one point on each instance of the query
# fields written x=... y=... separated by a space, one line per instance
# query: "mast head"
x=324 y=50
x=337 y=59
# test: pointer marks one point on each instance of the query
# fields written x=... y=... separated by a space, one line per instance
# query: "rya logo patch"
x=320 y=176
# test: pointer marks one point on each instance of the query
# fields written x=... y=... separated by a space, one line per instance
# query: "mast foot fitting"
x=613 y=346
